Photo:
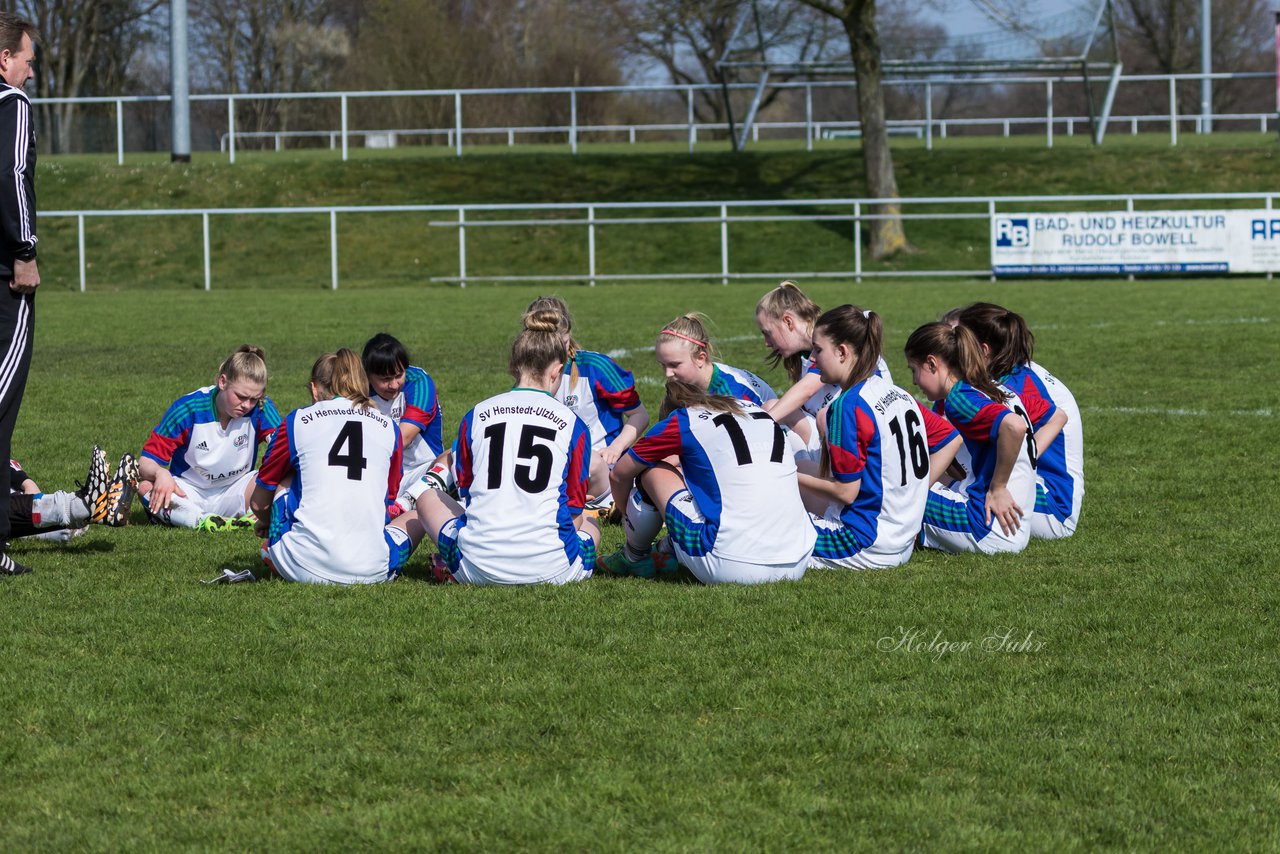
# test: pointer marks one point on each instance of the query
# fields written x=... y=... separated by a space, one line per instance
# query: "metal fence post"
x=333 y=247
x=1048 y=112
x=462 y=247
x=693 y=132
x=80 y=236
x=928 y=116
x=591 y=245
x=724 y=244
x=1173 y=112
x=573 y=121
x=991 y=219
x=345 y=128
x=457 y=123
x=857 y=241
x=204 y=228
x=231 y=127
x=119 y=132
x=808 y=117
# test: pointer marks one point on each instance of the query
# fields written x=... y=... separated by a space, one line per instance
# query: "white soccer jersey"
x=522 y=459
x=879 y=435
x=831 y=391
x=191 y=442
x=346 y=462
x=742 y=475
x=1073 y=440
x=740 y=384
x=418 y=404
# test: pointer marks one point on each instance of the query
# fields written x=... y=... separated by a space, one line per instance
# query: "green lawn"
x=380 y=250
x=1132 y=707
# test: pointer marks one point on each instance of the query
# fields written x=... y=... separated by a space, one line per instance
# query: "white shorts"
x=465 y=572
x=864 y=559
x=711 y=568
x=284 y=508
x=948 y=527
x=225 y=500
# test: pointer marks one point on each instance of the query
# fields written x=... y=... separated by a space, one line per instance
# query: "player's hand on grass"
x=262 y=527
x=1002 y=507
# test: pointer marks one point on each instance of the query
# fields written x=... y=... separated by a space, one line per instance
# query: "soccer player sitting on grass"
x=407 y=394
x=601 y=393
x=1008 y=344
x=883 y=449
x=733 y=507
x=197 y=466
x=785 y=317
x=684 y=353
x=330 y=474
x=521 y=461
x=985 y=513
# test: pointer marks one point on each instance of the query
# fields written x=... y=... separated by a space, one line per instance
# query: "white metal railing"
x=341 y=136
x=588 y=215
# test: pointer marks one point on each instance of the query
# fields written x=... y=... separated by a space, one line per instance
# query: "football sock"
x=181 y=513
x=58 y=509
x=642 y=522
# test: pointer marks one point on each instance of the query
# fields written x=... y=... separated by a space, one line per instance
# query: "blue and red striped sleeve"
x=663 y=440
x=1039 y=408
x=421 y=405
x=975 y=415
x=579 y=467
x=938 y=430
x=850 y=431
x=463 y=465
x=612 y=385
x=397 y=463
x=277 y=464
x=266 y=418
x=171 y=433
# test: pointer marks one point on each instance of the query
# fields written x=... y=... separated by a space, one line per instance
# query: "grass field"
x=1133 y=705
x=403 y=249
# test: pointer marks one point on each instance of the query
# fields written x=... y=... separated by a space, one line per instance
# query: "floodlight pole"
x=1278 y=73
x=179 y=88
x=1206 y=68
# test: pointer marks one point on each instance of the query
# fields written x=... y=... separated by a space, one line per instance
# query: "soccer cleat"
x=619 y=565
x=121 y=491
x=215 y=524
x=9 y=566
x=222 y=523
x=93 y=492
x=439 y=572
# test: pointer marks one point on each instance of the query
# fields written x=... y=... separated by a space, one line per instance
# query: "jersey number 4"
x=535 y=473
x=348 y=451
x=911 y=439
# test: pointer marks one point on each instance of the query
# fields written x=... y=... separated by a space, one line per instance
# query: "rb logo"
x=1013 y=232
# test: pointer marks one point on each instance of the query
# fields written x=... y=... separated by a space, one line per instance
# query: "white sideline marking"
x=1183 y=413
x=1104 y=324
x=623 y=352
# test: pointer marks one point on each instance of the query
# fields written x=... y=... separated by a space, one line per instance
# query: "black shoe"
x=9 y=566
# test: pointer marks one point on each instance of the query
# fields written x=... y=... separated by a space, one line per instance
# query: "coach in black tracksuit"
x=18 y=268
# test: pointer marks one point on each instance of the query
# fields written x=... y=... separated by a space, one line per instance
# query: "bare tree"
x=858 y=17
x=87 y=48
x=686 y=39
x=447 y=44
x=1163 y=36
x=260 y=46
